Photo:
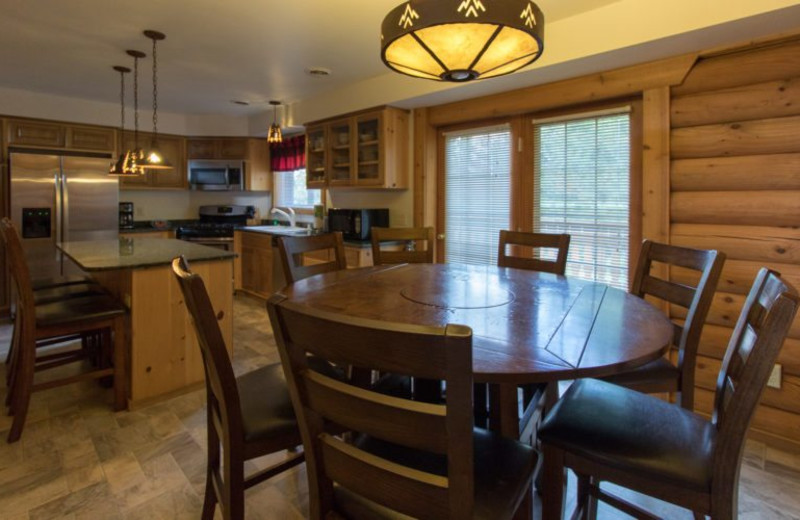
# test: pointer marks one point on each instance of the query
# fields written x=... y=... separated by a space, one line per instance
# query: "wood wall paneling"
x=735 y=187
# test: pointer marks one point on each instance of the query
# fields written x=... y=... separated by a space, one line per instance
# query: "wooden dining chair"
x=532 y=243
x=423 y=460
x=421 y=236
x=53 y=322
x=662 y=375
x=604 y=432
x=248 y=416
x=294 y=248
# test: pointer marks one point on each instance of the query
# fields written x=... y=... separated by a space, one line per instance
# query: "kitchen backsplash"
x=184 y=204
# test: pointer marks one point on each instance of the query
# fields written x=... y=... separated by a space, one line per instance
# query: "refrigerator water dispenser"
x=36 y=222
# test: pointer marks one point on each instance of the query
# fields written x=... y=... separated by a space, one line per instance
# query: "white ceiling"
x=215 y=51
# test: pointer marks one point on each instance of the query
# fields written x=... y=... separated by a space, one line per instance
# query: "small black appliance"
x=356 y=223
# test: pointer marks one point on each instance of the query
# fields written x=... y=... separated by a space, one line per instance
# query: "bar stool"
x=54 y=321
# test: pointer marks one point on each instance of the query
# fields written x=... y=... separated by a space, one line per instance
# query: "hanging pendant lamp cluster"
x=137 y=161
x=274 y=135
x=462 y=40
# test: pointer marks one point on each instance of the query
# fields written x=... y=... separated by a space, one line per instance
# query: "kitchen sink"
x=278 y=230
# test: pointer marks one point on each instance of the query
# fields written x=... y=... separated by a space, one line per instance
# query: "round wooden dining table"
x=528 y=327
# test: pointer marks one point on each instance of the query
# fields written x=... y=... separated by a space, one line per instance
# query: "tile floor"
x=79 y=460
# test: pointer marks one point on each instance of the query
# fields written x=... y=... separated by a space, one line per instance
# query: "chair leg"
x=233 y=486
x=553 y=482
x=586 y=501
x=210 y=499
x=212 y=468
x=22 y=389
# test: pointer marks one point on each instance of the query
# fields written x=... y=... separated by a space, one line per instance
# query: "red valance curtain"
x=288 y=155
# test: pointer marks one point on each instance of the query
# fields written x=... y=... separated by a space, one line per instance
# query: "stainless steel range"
x=216 y=225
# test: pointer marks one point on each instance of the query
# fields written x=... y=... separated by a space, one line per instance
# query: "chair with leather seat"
x=422 y=460
x=529 y=251
x=47 y=322
x=248 y=416
x=605 y=432
x=293 y=251
x=662 y=375
x=421 y=236
x=532 y=244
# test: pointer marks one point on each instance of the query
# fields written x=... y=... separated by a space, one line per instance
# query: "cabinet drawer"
x=91 y=139
x=37 y=134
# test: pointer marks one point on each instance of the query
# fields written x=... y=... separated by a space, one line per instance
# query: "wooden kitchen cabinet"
x=364 y=150
x=358 y=256
x=173 y=149
x=88 y=138
x=254 y=153
x=253 y=269
x=55 y=135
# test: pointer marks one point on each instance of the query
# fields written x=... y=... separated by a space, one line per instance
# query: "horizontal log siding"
x=735 y=187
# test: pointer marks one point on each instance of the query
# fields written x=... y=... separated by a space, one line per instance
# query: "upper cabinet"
x=364 y=150
x=173 y=149
x=254 y=152
x=56 y=135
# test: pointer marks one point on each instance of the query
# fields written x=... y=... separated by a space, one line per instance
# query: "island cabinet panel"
x=735 y=186
x=164 y=354
x=256 y=257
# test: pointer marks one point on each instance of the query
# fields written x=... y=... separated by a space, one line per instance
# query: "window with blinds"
x=581 y=187
x=290 y=190
x=477 y=188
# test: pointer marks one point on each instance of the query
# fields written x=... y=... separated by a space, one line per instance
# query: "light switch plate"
x=774 y=380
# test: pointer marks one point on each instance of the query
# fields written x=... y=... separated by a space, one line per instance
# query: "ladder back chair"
x=294 y=248
x=421 y=235
x=52 y=321
x=662 y=375
x=409 y=458
x=534 y=241
x=605 y=432
x=247 y=416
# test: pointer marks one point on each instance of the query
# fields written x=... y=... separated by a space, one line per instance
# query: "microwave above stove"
x=356 y=223
x=216 y=175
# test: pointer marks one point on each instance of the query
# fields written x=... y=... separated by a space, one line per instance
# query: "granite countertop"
x=137 y=253
x=276 y=231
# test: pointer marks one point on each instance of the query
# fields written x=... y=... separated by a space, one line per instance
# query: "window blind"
x=290 y=190
x=477 y=193
x=582 y=187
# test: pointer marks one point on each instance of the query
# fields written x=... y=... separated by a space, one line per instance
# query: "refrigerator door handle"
x=59 y=205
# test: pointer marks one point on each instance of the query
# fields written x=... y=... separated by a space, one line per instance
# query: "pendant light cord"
x=155 y=92
x=122 y=100
x=136 y=102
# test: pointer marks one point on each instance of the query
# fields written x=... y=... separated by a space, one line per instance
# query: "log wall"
x=735 y=186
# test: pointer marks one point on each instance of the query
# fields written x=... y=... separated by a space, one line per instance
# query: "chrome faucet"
x=291 y=216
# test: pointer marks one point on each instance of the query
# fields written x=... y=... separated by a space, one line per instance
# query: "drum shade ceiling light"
x=462 y=40
x=153 y=158
x=274 y=135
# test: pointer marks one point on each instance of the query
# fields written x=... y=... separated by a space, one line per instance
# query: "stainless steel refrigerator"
x=61 y=199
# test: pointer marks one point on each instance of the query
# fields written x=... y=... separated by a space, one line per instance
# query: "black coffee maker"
x=126 y=215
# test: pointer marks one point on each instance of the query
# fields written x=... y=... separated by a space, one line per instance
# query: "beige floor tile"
x=179 y=504
x=123 y=472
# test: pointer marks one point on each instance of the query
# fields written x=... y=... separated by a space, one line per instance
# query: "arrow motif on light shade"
x=407 y=19
x=471 y=7
x=530 y=18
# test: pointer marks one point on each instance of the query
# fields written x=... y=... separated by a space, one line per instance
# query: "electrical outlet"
x=774 y=380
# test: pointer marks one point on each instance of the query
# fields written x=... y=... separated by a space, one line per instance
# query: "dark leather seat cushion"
x=78 y=309
x=264 y=398
x=632 y=432
x=660 y=370
x=54 y=294
x=503 y=471
x=60 y=281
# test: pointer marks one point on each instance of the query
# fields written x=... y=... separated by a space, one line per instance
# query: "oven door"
x=224 y=243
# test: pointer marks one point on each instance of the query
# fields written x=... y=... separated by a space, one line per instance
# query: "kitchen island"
x=164 y=357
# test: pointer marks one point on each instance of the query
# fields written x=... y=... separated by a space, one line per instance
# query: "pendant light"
x=274 y=135
x=135 y=157
x=462 y=40
x=118 y=166
x=153 y=158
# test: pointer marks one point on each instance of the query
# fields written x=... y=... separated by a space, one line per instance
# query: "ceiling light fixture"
x=462 y=40
x=154 y=159
x=274 y=135
x=134 y=159
x=118 y=167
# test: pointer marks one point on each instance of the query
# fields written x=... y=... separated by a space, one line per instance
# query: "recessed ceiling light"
x=318 y=72
x=239 y=102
